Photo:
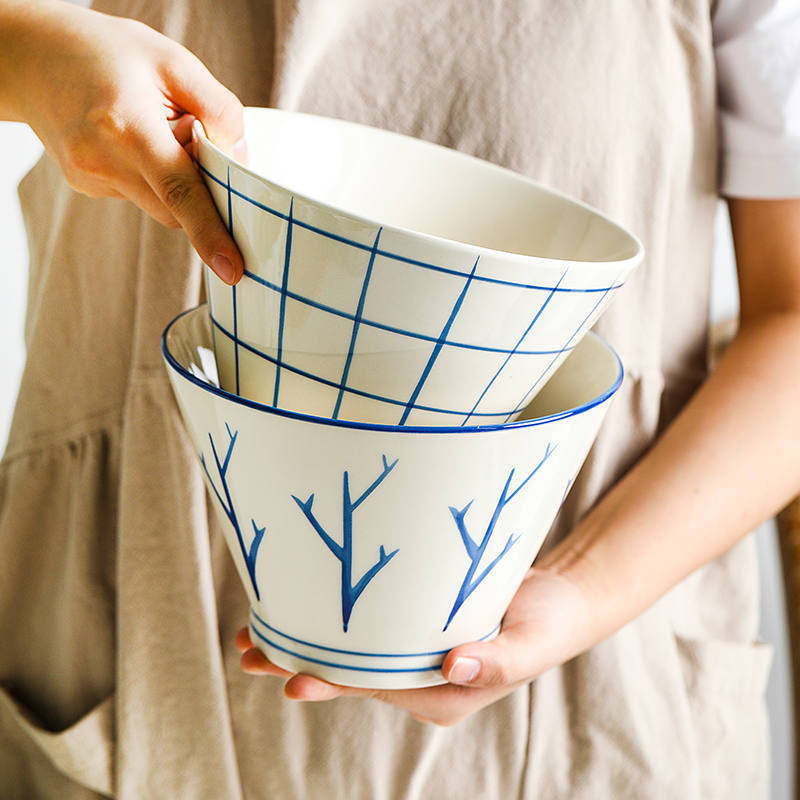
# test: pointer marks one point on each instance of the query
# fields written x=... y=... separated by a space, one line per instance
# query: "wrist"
x=30 y=32
x=610 y=556
x=17 y=29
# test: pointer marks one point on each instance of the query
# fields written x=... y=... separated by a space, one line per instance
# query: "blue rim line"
x=348 y=667
x=357 y=653
x=400 y=429
x=350 y=389
x=530 y=394
x=416 y=262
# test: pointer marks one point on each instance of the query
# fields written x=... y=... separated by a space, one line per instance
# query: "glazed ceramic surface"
x=395 y=281
x=369 y=551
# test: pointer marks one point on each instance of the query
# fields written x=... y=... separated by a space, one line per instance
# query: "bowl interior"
x=410 y=184
x=589 y=375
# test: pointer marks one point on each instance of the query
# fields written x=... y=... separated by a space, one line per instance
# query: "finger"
x=516 y=656
x=443 y=705
x=243 y=640
x=181 y=128
x=129 y=186
x=311 y=689
x=254 y=662
x=169 y=170
x=199 y=93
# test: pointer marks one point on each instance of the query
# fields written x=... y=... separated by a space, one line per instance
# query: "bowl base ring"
x=346 y=667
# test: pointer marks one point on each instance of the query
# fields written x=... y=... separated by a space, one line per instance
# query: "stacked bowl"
x=391 y=406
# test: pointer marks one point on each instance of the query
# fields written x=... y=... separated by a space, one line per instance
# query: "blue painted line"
x=516 y=349
x=234 y=294
x=338 y=665
x=567 y=346
x=203 y=383
x=395 y=256
x=236 y=340
x=355 y=653
x=439 y=345
x=230 y=203
x=399 y=331
x=349 y=389
x=287 y=259
x=356 y=324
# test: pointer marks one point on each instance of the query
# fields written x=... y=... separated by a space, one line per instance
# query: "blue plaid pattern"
x=331 y=310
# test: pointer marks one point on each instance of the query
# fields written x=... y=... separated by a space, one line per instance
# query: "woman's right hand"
x=113 y=102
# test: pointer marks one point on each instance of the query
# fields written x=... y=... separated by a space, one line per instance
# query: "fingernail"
x=464 y=670
x=223 y=269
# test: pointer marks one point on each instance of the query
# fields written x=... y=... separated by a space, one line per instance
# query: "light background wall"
x=19 y=149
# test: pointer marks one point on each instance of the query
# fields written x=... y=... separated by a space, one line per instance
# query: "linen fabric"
x=118 y=601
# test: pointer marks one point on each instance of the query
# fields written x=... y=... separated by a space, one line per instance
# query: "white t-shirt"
x=757 y=46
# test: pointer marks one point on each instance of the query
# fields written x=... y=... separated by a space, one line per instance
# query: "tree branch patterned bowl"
x=396 y=281
x=368 y=551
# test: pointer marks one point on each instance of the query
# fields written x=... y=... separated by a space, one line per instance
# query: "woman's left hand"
x=548 y=622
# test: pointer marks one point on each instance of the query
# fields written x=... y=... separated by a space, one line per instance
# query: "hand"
x=685 y=502
x=549 y=621
x=101 y=93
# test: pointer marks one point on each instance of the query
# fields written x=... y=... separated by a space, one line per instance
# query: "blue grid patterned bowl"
x=368 y=551
x=395 y=281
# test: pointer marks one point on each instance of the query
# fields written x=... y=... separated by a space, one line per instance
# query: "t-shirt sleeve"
x=757 y=50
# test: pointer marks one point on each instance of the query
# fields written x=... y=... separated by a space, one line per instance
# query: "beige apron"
x=118 y=601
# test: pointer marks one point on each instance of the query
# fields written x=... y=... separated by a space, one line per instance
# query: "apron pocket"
x=725 y=686
x=83 y=752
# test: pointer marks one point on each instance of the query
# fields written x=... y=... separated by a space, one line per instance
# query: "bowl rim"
x=628 y=263
x=179 y=369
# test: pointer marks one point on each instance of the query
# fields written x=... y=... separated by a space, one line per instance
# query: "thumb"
x=550 y=620
x=486 y=664
x=515 y=657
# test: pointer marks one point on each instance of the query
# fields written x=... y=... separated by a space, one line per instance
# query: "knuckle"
x=77 y=154
x=86 y=147
x=226 y=103
x=82 y=172
x=499 y=675
x=231 y=106
x=225 y=117
x=176 y=191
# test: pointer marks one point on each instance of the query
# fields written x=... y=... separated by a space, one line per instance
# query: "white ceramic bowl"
x=392 y=280
x=369 y=551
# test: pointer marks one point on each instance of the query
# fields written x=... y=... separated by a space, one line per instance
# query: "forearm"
x=26 y=31
x=12 y=27
x=729 y=461
x=113 y=102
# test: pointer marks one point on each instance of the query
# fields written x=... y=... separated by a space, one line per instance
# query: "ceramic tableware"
x=392 y=280
x=368 y=551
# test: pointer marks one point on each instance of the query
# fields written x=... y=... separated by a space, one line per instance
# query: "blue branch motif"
x=344 y=551
x=250 y=553
x=476 y=550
